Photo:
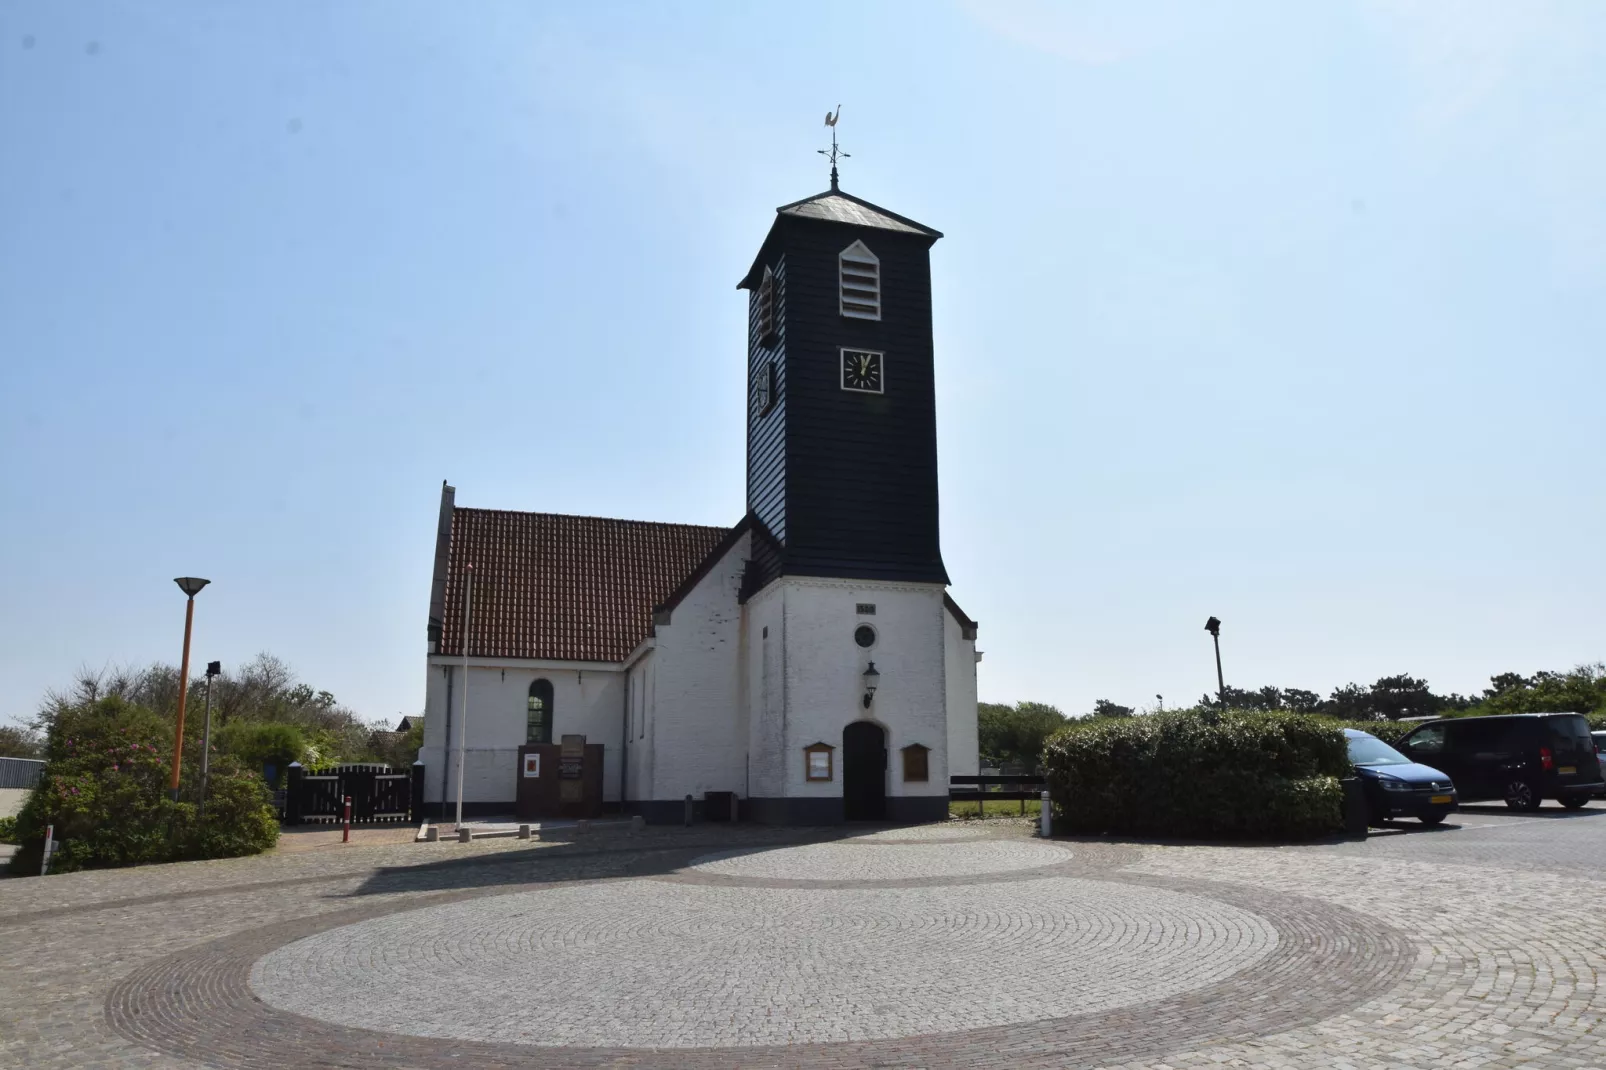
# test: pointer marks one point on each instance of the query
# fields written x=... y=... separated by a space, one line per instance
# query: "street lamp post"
x=191 y=586
x=213 y=668
x=1213 y=626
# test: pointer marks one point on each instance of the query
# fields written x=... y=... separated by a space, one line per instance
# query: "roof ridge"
x=584 y=516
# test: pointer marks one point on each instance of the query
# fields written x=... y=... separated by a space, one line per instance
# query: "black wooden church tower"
x=841 y=420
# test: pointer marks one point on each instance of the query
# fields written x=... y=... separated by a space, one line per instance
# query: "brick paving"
x=942 y=946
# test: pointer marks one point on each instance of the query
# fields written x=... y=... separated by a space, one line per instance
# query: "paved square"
x=940 y=946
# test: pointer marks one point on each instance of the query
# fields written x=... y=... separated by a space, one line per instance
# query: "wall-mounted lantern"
x=871 y=679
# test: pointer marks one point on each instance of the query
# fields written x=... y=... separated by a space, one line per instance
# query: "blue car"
x=1397 y=786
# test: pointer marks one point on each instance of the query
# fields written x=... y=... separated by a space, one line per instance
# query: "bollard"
x=524 y=832
x=582 y=826
x=432 y=834
x=1046 y=818
x=345 y=836
x=637 y=823
x=463 y=834
x=688 y=811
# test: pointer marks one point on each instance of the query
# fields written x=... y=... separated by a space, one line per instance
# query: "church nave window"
x=538 y=713
x=861 y=282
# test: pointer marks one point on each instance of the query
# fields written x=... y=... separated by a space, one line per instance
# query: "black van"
x=1523 y=758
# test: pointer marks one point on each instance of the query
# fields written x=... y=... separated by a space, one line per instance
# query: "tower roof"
x=834 y=206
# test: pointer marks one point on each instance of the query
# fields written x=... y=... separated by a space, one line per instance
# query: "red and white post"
x=345 y=836
x=50 y=849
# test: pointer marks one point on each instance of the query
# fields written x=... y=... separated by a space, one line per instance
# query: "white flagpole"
x=462 y=731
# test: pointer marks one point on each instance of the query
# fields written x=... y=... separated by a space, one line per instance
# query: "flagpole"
x=462 y=731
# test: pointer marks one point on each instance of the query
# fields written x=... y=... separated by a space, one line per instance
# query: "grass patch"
x=968 y=810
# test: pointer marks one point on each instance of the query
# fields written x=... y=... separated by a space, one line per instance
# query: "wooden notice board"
x=559 y=780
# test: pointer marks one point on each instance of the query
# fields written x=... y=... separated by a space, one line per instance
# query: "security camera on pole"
x=213 y=668
x=1213 y=626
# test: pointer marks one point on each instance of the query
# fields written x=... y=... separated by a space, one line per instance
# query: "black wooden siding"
x=766 y=434
x=847 y=481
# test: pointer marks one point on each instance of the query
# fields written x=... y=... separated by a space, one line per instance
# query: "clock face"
x=861 y=370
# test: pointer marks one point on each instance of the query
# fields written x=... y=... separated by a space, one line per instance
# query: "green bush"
x=1390 y=732
x=8 y=830
x=260 y=743
x=104 y=788
x=1199 y=773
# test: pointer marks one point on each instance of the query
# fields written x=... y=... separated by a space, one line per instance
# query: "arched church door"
x=864 y=771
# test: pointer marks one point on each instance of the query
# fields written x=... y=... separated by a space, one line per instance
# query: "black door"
x=864 y=771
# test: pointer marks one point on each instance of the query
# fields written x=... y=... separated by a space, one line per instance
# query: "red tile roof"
x=568 y=588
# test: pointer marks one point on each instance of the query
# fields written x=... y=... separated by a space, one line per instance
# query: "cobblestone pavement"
x=1477 y=945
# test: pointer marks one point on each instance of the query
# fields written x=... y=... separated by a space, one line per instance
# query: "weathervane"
x=834 y=153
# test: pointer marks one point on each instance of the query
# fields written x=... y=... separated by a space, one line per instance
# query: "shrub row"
x=104 y=788
x=1199 y=773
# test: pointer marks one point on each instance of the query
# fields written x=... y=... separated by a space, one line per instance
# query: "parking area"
x=960 y=944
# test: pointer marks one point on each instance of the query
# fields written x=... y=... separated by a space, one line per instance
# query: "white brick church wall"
x=588 y=701
x=821 y=679
x=959 y=655
x=696 y=732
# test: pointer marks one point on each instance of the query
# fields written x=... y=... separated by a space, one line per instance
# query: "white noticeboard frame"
x=532 y=764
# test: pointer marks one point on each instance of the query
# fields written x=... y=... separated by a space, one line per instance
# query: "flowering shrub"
x=104 y=788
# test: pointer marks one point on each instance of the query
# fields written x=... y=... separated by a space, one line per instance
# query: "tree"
x=1014 y=735
x=1105 y=708
x=1394 y=697
x=18 y=741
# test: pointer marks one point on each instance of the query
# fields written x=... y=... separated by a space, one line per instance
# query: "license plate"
x=1568 y=770
x=1441 y=798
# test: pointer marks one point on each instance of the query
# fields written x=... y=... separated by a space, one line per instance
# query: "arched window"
x=538 y=715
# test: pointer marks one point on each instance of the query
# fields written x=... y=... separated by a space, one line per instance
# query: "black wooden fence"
x=378 y=795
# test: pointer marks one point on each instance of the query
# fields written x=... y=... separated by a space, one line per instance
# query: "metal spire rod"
x=834 y=153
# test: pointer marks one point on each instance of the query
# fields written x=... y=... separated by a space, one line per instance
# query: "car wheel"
x=1520 y=795
x=1433 y=819
x=1575 y=802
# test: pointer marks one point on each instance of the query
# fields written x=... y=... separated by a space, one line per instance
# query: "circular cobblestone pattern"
x=869 y=860
x=657 y=964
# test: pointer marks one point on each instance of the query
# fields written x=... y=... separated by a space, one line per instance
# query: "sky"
x=1289 y=314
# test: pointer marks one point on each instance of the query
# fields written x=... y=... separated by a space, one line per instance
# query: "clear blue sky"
x=1289 y=313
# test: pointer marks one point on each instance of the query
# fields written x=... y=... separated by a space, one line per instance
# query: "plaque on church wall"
x=916 y=767
x=574 y=746
x=817 y=761
x=532 y=764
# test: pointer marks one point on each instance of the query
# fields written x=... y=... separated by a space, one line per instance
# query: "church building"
x=806 y=666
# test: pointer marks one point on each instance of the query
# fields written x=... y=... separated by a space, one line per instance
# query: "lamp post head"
x=1213 y=626
x=871 y=679
x=214 y=668
x=191 y=585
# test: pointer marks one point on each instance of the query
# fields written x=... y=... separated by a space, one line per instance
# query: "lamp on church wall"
x=871 y=679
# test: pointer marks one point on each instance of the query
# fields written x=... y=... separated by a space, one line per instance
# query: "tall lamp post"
x=213 y=668
x=1213 y=626
x=191 y=586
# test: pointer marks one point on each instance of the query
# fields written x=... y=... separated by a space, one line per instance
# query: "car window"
x=1429 y=739
x=1570 y=734
x=1481 y=735
x=1369 y=750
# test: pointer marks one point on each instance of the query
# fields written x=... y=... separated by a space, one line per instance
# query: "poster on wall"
x=532 y=764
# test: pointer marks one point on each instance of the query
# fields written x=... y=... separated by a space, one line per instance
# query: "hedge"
x=1199 y=773
x=104 y=788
